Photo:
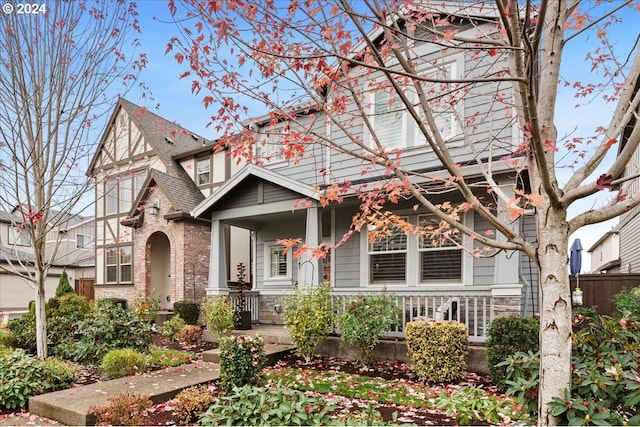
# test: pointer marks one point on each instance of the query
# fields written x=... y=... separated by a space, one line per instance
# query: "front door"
x=161 y=269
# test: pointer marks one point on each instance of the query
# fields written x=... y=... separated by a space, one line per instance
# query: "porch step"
x=274 y=352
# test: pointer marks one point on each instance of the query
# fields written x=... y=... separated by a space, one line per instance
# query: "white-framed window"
x=203 y=171
x=400 y=259
x=19 y=237
x=83 y=241
x=393 y=125
x=118 y=264
x=440 y=258
x=389 y=119
x=270 y=145
x=140 y=178
x=388 y=259
x=277 y=263
x=125 y=194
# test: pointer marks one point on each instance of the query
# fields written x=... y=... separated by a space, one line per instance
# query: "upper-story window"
x=19 y=237
x=83 y=241
x=203 y=171
x=270 y=145
x=121 y=192
x=395 y=128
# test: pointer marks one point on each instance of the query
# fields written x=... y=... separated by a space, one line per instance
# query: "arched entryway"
x=159 y=256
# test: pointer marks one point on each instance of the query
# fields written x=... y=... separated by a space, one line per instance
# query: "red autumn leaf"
x=493 y=52
x=622 y=196
x=604 y=181
x=610 y=142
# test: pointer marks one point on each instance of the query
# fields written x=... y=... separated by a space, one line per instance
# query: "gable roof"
x=167 y=139
x=183 y=194
x=252 y=170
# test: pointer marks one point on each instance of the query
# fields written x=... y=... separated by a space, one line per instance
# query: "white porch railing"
x=252 y=303
x=472 y=309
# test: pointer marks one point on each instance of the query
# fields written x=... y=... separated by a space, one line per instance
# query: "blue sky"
x=176 y=102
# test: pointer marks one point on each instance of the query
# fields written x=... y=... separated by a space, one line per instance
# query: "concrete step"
x=273 y=352
x=71 y=406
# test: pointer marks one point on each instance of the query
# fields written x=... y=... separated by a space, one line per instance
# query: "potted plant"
x=242 y=316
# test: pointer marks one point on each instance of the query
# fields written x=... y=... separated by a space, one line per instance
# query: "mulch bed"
x=163 y=414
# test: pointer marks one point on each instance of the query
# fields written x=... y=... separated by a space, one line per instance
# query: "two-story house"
x=432 y=279
x=150 y=173
x=72 y=242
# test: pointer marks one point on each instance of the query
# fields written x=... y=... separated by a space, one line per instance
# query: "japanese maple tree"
x=61 y=64
x=321 y=58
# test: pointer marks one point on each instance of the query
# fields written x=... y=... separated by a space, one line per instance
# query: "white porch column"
x=217 y=260
x=309 y=273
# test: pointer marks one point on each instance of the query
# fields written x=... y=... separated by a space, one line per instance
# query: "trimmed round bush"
x=438 y=350
x=506 y=336
x=241 y=361
x=58 y=373
x=188 y=310
x=123 y=362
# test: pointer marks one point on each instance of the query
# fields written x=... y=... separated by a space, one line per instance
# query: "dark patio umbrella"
x=575 y=257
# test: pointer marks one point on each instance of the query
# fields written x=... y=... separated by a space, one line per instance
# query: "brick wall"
x=189 y=242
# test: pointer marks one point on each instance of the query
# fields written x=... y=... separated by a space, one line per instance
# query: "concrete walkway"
x=71 y=406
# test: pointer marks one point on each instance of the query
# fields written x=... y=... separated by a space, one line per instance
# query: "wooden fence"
x=599 y=288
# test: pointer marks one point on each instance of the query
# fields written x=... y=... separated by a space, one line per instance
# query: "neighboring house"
x=150 y=173
x=629 y=225
x=73 y=239
x=437 y=281
x=605 y=253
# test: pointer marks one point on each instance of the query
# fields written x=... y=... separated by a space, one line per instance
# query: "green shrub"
x=24 y=331
x=259 y=406
x=164 y=357
x=438 y=350
x=191 y=402
x=109 y=327
x=218 y=315
x=188 y=310
x=122 y=302
x=307 y=316
x=628 y=301
x=191 y=335
x=173 y=327
x=366 y=319
x=63 y=317
x=63 y=285
x=123 y=362
x=605 y=386
x=125 y=409
x=506 y=336
x=21 y=376
x=7 y=338
x=58 y=374
x=241 y=360
x=472 y=404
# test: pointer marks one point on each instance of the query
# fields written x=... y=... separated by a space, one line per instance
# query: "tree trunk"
x=555 y=313
x=41 y=319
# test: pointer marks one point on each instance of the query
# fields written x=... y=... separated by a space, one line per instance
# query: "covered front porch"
x=438 y=284
x=475 y=307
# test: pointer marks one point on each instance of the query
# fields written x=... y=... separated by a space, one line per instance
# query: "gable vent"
x=169 y=140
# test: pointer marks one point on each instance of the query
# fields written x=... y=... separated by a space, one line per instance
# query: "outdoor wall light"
x=154 y=208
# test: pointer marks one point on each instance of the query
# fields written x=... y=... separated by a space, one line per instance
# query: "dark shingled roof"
x=167 y=139
x=183 y=193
